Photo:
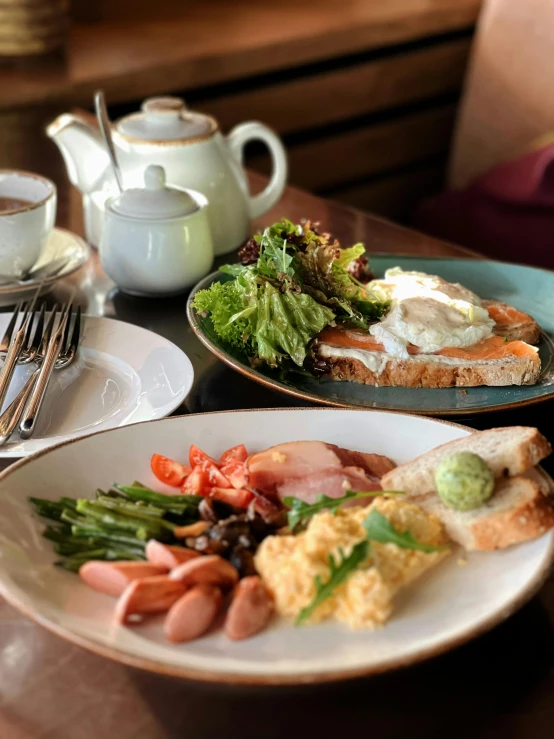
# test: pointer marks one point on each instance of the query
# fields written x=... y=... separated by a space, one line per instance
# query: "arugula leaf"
x=274 y=259
x=300 y=512
x=379 y=528
x=340 y=569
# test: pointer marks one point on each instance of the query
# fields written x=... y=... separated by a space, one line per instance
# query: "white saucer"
x=122 y=374
x=61 y=243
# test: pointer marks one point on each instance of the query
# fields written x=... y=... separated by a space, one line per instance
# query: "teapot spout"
x=82 y=149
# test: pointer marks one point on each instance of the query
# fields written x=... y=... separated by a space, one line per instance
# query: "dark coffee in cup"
x=9 y=204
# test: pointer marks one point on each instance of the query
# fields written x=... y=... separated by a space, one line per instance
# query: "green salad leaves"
x=272 y=309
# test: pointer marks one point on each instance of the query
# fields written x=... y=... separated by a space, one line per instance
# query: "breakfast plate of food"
x=277 y=546
x=310 y=317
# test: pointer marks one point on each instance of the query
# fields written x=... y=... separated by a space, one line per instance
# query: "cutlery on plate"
x=16 y=343
x=10 y=418
x=56 y=344
x=36 y=273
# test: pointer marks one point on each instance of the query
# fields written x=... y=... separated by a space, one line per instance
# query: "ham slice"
x=306 y=469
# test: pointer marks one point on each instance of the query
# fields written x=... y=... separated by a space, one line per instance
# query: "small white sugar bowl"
x=156 y=240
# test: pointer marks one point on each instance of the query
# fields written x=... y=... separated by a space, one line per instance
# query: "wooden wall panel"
x=395 y=196
x=349 y=92
x=330 y=161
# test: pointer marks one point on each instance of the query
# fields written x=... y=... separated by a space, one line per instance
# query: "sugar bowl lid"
x=165 y=119
x=155 y=201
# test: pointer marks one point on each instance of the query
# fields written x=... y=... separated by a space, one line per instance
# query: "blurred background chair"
x=500 y=197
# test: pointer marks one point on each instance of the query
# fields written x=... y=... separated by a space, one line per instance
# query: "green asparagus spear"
x=117 y=536
x=139 y=492
x=156 y=528
x=140 y=509
x=48 y=508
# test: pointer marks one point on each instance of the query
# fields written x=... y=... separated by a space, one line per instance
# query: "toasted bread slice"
x=426 y=371
x=519 y=510
x=512 y=323
x=508 y=452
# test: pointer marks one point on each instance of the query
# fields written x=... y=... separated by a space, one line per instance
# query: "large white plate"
x=122 y=374
x=451 y=605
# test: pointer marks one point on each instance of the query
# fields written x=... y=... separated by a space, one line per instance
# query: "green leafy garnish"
x=286 y=323
x=339 y=569
x=300 y=512
x=223 y=301
x=379 y=528
x=272 y=310
x=349 y=255
x=275 y=257
x=254 y=314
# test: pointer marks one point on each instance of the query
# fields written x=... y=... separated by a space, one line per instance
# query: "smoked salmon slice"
x=506 y=315
x=495 y=347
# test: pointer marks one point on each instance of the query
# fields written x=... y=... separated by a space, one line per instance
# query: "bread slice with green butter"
x=519 y=508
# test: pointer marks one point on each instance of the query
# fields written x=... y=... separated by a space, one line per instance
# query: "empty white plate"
x=122 y=374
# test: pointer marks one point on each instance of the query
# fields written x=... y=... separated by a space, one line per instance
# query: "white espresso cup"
x=27 y=216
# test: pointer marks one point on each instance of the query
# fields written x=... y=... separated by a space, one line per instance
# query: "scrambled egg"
x=289 y=564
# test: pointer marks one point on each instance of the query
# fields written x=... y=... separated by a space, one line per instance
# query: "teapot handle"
x=254 y=131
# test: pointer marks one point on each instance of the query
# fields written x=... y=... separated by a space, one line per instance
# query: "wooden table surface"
x=499 y=686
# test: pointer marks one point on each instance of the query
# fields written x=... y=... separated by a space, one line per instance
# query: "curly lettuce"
x=269 y=325
x=222 y=301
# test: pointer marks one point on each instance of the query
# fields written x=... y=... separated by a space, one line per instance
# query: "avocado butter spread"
x=464 y=481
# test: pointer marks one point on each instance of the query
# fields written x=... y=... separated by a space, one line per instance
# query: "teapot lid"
x=164 y=120
x=155 y=201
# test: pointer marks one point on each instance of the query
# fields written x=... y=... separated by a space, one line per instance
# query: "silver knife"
x=47 y=270
x=29 y=417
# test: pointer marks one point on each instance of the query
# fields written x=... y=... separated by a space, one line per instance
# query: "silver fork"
x=15 y=345
x=8 y=334
x=67 y=353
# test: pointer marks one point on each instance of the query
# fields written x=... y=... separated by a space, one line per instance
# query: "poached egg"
x=428 y=312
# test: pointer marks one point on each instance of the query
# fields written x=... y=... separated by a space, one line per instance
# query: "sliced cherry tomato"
x=168 y=471
x=235 y=454
x=236 y=498
x=197 y=483
x=197 y=456
x=216 y=478
x=236 y=473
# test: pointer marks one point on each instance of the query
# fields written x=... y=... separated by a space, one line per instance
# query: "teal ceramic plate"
x=527 y=288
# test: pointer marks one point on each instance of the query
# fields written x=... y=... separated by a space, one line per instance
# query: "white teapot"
x=193 y=153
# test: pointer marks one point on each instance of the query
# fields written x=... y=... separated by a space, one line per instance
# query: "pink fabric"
x=508 y=213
